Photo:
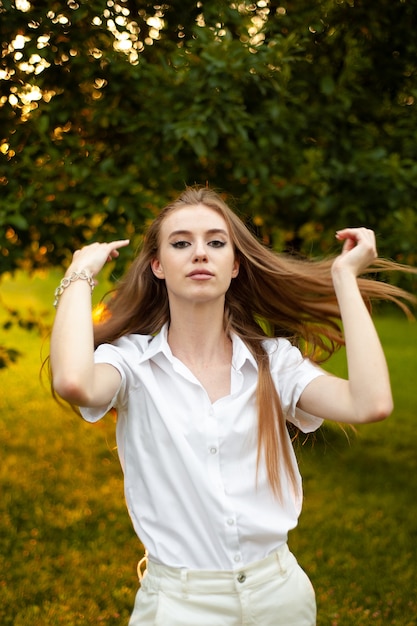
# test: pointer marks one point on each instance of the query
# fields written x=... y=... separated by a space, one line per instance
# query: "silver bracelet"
x=67 y=280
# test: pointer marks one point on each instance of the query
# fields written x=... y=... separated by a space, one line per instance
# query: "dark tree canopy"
x=304 y=111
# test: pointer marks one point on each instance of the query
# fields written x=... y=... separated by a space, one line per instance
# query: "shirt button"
x=213 y=450
x=230 y=521
x=241 y=577
x=237 y=558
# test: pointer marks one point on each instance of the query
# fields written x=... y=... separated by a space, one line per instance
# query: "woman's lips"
x=200 y=274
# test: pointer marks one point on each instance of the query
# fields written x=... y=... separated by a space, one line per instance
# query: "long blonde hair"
x=274 y=295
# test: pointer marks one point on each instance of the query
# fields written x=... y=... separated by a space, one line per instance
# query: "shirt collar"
x=159 y=345
x=241 y=353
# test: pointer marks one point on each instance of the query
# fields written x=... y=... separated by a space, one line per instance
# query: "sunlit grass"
x=358 y=531
x=68 y=552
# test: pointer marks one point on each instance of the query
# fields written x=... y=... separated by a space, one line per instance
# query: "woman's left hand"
x=359 y=250
x=366 y=395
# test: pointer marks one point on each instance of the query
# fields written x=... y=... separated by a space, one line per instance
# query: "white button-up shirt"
x=189 y=465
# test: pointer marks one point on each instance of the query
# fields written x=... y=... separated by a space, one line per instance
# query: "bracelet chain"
x=67 y=280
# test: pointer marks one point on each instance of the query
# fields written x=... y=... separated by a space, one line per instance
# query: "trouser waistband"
x=222 y=581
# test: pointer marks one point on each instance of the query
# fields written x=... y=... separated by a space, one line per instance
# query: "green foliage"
x=304 y=111
x=69 y=553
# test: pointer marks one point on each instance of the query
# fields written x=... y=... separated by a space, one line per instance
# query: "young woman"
x=210 y=347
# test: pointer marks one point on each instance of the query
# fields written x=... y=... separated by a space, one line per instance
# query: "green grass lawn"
x=68 y=552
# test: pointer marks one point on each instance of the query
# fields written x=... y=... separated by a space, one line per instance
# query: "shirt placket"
x=229 y=516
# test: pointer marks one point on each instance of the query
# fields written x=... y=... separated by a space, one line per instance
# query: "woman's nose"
x=200 y=253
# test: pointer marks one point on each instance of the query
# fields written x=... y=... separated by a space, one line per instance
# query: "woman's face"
x=196 y=255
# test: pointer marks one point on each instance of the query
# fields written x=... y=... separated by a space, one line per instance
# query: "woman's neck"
x=202 y=345
x=199 y=337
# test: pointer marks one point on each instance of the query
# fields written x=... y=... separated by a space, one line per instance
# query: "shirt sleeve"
x=292 y=373
x=113 y=355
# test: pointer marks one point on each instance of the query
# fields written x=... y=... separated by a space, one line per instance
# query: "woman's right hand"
x=93 y=257
x=75 y=376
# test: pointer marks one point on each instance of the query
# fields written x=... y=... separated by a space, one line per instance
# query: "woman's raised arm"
x=366 y=395
x=75 y=377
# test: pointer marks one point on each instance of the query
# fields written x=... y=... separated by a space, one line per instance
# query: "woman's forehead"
x=193 y=217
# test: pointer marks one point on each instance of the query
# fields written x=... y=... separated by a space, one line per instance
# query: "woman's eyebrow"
x=188 y=233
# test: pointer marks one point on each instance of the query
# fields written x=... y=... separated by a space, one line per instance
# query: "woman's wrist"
x=341 y=273
x=78 y=268
x=70 y=277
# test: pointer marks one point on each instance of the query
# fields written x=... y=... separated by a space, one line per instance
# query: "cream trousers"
x=271 y=592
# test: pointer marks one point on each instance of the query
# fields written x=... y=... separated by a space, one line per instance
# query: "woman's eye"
x=217 y=244
x=180 y=244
